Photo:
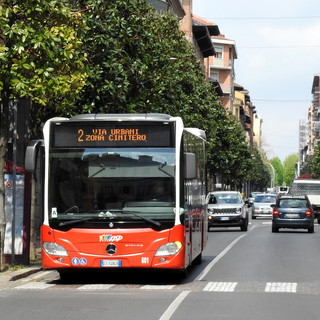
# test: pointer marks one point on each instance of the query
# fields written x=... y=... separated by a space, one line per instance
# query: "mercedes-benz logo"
x=111 y=249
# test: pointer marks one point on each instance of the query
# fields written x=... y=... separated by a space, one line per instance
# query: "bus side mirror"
x=190 y=165
x=31 y=155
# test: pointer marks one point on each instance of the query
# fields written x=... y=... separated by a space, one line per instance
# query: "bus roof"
x=197 y=132
x=122 y=117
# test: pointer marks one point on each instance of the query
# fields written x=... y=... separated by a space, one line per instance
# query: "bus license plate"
x=110 y=263
x=224 y=218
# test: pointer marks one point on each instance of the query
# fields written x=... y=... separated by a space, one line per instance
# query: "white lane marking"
x=218 y=257
x=96 y=287
x=290 y=287
x=174 y=305
x=34 y=285
x=158 y=287
x=220 y=286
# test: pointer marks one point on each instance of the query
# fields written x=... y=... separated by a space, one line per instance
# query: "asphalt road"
x=244 y=275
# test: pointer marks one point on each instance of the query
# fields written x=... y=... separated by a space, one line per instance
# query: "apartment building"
x=244 y=112
x=217 y=55
x=222 y=69
x=163 y=6
x=309 y=128
x=315 y=115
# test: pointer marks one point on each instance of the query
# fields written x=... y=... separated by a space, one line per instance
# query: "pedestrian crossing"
x=197 y=286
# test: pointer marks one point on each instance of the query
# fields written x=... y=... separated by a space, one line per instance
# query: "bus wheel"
x=182 y=273
x=67 y=276
x=197 y=260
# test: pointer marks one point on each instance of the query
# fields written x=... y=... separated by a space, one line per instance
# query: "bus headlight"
x=169 y=249
x=54 y=249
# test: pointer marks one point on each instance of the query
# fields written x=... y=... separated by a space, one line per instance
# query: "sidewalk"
x=8 y=275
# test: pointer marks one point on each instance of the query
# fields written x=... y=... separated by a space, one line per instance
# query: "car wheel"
x=275 y=229
x=244 y=227
x=311 y=229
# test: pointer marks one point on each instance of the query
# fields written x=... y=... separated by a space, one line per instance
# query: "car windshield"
x=229 y=198
x=266 y=198
x=293 y=203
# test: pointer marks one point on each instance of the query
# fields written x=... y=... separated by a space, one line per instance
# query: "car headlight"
x=238 y=210
x=169 y=249
x=54 y=249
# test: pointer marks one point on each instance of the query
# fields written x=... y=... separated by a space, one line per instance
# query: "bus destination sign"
x=66 y=134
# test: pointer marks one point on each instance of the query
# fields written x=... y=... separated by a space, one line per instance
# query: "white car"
x=262 y=205
x=227 y=209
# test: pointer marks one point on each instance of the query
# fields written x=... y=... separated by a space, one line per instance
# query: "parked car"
x=227 y=209
x=262 y=205
x=293 y=212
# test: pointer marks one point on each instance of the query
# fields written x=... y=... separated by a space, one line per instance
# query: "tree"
x=278 y=168
x=257 y=172
x=315 y=167
x=289 y=165
x=39 y=60
x=139 y=61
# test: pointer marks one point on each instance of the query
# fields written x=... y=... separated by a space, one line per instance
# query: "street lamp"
x=273 y=176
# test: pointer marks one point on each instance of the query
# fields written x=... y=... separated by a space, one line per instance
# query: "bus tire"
x=183 y=273
x=197 y=260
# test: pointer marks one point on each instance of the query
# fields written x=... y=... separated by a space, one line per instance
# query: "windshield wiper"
x=134 y=213
x=108 y=214
x=70 y=222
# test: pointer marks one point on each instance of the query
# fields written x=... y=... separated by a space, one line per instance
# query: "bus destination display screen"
x=101 y=134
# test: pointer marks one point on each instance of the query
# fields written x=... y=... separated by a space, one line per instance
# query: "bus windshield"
x=118 y=184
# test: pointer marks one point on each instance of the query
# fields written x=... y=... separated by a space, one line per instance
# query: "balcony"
x=316 y=128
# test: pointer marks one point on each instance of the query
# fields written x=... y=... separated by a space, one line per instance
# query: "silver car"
x=227 y=209
x=262 y=205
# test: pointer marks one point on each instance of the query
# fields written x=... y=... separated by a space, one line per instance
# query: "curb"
x=19 y=274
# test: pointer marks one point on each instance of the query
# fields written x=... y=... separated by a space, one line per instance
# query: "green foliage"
x=289 y=168
x=139 y=61
x=257 y=171
x=39 y=51
x=115 y=56
x=308 y=166
x=278 y=168
x=315 y=168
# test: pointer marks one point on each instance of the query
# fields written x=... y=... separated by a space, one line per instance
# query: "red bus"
x=122 y=191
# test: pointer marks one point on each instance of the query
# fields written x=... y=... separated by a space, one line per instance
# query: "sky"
x=278 y=46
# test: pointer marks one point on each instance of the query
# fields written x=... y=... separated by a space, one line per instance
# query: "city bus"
x=122 y=191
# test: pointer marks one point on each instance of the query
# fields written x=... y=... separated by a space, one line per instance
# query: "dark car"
x=293 y=212
x=227 y=209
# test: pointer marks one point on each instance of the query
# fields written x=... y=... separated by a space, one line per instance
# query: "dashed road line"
x=34 y=286
x=158 y=287
x=290 y=287
x=220 y=286
x=96 y=287
x=212 y=286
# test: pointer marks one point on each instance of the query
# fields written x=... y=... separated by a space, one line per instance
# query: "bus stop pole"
x=14 y=177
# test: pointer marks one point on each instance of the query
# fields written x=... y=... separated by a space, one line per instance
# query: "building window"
x=214 y=75
x=219 y=51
